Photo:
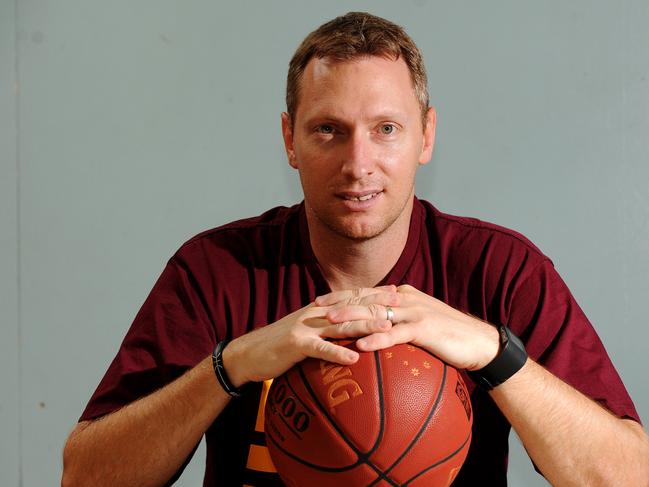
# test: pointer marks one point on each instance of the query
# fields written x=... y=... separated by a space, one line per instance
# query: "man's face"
x=357 y=140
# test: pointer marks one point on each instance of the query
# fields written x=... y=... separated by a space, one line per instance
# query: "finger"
x=385 y=298
x=351 y=295
x=358 y=328
x=315 y=312
x=355 y=312
x=325 y=350
x=346 y=295
x=316 y=322
x=378 y=341
x=372 y=311
x=408 y=289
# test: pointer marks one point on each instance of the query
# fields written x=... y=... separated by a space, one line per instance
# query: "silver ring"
x=390 y=313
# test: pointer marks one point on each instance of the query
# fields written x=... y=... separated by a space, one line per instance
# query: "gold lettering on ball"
x=341 y=387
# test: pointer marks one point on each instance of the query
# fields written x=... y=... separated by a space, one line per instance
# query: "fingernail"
x=351 y=356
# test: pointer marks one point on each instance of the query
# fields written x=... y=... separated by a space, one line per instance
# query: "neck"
x=347 y=263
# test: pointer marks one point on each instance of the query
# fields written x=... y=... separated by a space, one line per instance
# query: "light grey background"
x=127 y=127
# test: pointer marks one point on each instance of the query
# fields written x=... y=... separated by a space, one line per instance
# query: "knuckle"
x=376 y=310
x=332 y=315
x=321 y=348
x=356 y=296
x=394 y=299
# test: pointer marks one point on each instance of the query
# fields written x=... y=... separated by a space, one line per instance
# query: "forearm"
x=147 y=441
x=570 y=438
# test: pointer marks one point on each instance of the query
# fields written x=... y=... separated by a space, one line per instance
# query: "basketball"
x=397 y=417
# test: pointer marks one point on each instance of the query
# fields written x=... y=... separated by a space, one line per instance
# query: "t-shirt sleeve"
x=558 y=335
x=171 y=333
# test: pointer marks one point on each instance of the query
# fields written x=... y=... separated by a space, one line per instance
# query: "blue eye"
x=387 y=129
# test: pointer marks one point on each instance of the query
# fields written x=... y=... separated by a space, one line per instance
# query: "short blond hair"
x=353 y=35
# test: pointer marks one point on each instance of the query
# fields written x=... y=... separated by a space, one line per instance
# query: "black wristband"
x=510 y=360
x=219 y=370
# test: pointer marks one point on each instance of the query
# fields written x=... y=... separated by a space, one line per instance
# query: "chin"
x=355 y=226
x=357 y=231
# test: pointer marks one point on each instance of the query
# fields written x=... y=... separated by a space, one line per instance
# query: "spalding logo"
x=339 y=384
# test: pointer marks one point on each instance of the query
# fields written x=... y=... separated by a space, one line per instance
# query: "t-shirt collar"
x=394 y=276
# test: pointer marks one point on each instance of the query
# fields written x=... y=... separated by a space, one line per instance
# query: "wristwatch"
x=510 y=360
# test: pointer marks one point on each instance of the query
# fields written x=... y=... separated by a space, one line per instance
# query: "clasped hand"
x=455 y=337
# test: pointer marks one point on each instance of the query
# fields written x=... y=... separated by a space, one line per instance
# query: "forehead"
x=356 y=87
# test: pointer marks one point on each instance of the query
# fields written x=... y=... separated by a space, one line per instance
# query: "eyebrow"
x=327 y=117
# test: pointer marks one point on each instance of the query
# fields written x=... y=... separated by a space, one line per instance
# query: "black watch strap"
x=510 y=360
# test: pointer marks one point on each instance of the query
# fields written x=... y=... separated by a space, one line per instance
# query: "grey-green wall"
x=126 y=127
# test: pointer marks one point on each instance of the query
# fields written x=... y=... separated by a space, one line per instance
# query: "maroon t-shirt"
x=230 y=280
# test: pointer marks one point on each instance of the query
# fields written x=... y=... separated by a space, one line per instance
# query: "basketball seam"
x=289 y=427
x=440 y=462
x=362 y=458
x=269 y=434
x=306 y=406
x=421 y=430
x=305 y=462
x=333 y=423
x=308 y=409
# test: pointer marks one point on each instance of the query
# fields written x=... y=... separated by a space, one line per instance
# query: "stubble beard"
x=360 y=233
x=354 y=233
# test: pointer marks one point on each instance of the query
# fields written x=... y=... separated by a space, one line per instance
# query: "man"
x=360 y=257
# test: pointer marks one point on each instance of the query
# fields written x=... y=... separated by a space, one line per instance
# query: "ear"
x=287 y=133
x=429 y=136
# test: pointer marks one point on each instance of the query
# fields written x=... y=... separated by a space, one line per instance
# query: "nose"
x=357 y=157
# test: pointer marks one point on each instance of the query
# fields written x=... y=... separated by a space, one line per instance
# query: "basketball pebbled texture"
x=397 y=417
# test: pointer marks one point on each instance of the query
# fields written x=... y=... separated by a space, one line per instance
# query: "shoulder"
x=464 y=226
x=268 y=221
x=476 y=242
x=253 y=238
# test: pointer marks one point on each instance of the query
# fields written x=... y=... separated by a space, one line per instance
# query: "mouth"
x=364 y=196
